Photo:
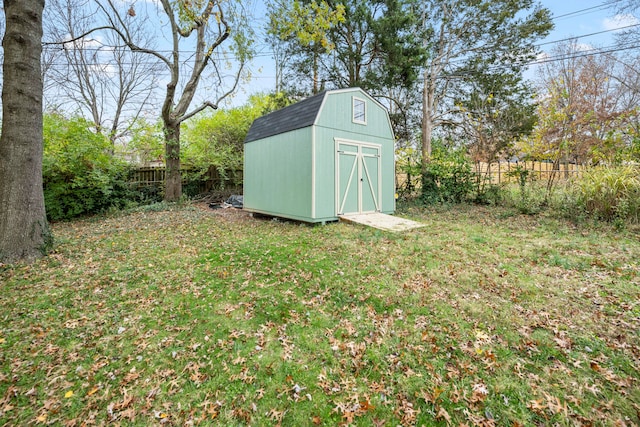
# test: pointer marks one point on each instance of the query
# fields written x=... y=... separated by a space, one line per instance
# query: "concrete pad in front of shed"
x=382 y=221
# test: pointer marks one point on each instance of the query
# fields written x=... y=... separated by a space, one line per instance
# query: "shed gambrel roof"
x=292 y=117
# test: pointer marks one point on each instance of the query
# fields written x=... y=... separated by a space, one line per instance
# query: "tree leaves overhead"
x=309 y=23
x=472 y=40
x=497 y=109
x=459 y=48
x=399 y=44
x=300 y=35
x=372 y=44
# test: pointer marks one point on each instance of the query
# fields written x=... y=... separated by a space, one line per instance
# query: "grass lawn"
x=199 y=317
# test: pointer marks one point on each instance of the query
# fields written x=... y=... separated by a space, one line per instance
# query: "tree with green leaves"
x=145 y=146
x=301 y=29
x=80 y=174
x=398 y=44
x=373 y=44
x=466 y=41
x=376 y=45
x=355 y=44
x=217 y=139
x=197 y=31
x=24 y=231
x=498 y=109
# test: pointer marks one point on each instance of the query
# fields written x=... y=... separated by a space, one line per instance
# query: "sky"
x=592 y=21
x=572 y=18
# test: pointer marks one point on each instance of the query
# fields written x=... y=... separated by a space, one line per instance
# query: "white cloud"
x=583 y=47
x=85 y=42
x=542 y=56
x=619 y=21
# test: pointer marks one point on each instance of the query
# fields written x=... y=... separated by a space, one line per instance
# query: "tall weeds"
x=609 y=193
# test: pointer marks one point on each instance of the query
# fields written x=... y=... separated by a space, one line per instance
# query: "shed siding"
x=325 y=164
x=337 y=113
x=325 y=173
x=335 y=121
x=293 y=174
x=277 y=177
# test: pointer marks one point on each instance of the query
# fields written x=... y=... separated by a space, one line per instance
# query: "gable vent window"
x=359 y=111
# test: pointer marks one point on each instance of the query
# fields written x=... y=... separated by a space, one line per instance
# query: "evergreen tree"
x=469 y=41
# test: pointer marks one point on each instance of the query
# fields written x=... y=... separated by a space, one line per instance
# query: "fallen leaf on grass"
x=276 y=415
x=443 y=414
x=483 y=337
x=131 y=376
x=555 y=405
x=537 y=405
x=161 y=415
x=551 y=403
x=366 y=406
x=593 y=389
x=563 y=342
x=128 y=414
x=68 y=394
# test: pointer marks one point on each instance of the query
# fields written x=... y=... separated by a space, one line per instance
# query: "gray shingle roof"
x=295 y=116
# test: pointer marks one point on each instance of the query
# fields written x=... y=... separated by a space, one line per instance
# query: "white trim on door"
x=359 y=161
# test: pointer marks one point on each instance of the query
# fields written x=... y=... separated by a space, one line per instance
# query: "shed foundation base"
x=382 y=221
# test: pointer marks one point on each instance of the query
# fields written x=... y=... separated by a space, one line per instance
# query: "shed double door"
x=358 y=177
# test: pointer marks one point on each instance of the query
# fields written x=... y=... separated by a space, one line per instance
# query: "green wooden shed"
x=329 y=155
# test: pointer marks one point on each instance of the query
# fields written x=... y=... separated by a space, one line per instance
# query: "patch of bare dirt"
x=228 y=214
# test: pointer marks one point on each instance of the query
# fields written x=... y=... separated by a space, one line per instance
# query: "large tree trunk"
x=24 y=232
x=173 y=177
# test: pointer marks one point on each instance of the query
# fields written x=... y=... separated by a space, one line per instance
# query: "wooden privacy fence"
x=497 y=173
x=210 y=181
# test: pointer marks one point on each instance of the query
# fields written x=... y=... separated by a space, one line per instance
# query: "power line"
x=602 y=6
x=580 y=12
x=591 y=52
x=550 y=59
x=539 y=61
x=227 y=56
x=608 y=49
x=588 y=35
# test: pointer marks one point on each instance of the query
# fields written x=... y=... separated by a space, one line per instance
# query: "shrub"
x=80 y=175
x=524 y=199
x=529 y=199
x=448 y=177
x=488 y=194
x=609 y=193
